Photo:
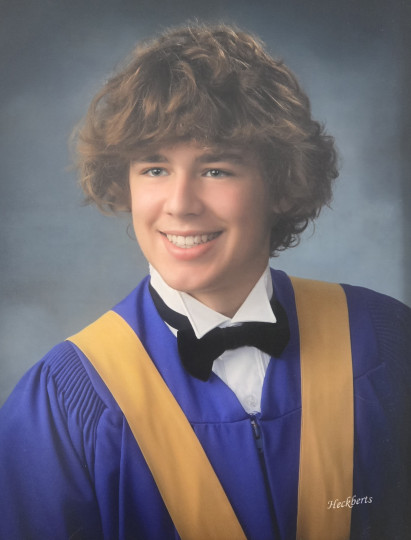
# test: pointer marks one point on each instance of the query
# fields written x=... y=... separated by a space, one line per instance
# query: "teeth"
x=190 y=241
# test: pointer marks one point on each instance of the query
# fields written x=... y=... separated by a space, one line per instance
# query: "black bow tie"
x=198 y=354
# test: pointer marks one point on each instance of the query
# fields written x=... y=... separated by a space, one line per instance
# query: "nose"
x=184 y=195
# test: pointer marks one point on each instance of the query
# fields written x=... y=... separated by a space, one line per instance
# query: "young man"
x=220 y=399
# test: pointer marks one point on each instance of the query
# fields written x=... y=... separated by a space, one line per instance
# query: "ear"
x=280 y=206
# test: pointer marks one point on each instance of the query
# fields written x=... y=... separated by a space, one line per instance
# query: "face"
x=202 y=217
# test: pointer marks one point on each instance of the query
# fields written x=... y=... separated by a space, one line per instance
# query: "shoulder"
x=381 y=350
x=375 y=301
x=71 y=377
x=390 y=318
x=57 y=388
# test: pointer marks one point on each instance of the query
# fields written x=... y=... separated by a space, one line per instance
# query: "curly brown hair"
x=213 y=85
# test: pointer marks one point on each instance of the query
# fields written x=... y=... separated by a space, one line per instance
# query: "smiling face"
x=202 y=217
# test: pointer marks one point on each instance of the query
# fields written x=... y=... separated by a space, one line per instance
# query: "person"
x=209 y=142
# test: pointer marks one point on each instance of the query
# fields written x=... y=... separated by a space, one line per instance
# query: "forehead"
x=202 y=153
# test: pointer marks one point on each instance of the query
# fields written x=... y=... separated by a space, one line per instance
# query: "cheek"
x=230 y=203
x=143 y=205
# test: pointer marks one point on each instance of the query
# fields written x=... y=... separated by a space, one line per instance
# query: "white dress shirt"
x=242 y=369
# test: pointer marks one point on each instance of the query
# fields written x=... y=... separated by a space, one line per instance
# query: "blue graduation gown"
x=70 y=467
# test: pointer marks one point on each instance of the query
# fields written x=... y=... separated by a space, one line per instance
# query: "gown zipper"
x=260 y=448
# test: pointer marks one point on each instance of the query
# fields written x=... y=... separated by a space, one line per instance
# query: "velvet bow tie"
x=198 y=354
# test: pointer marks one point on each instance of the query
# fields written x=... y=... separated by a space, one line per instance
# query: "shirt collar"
x=256 y=306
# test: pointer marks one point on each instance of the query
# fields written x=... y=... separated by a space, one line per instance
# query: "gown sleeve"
x=47 y=432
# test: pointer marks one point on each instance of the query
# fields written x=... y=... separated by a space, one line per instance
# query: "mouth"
x=190 y=241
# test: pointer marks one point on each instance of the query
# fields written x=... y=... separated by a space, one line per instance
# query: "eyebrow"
x=152 y=158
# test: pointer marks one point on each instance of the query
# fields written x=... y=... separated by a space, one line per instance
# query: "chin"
x=182 y=282
x=181 y=285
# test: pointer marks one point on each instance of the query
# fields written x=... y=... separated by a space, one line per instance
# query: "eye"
x=155 y=171
x=217 y=173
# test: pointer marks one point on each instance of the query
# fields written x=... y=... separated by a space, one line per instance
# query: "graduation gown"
x=71 y=468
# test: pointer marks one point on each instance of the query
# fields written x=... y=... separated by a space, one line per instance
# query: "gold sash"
x=327 y=416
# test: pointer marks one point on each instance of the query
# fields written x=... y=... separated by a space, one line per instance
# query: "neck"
x=227 y=305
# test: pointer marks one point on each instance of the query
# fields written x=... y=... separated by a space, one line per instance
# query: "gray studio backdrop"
x=62 y=264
